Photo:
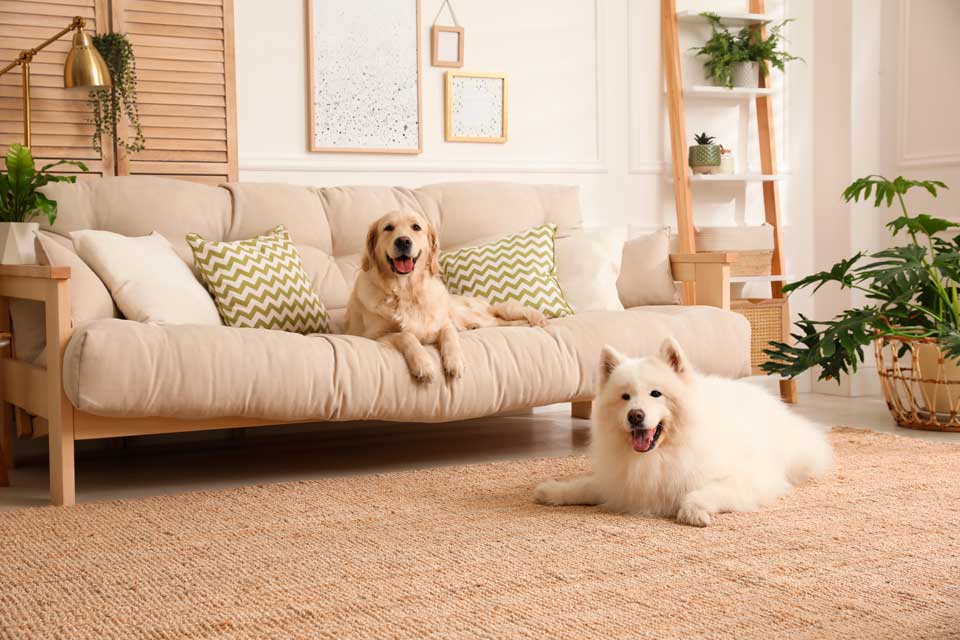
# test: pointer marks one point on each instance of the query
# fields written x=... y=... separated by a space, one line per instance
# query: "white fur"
x=725 y=445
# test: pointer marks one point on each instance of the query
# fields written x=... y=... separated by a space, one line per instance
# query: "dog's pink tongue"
x=642 y=439
x=403 y=265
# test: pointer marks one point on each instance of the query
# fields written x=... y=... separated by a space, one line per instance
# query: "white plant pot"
x=17 y=242
x=746 y=74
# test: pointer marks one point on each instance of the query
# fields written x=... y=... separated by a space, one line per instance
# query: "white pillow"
x=588 y=263
x=147 y=279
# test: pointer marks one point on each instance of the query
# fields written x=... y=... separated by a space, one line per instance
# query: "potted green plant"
x=21 y=200
x=109 y=104
x=738 y=59
x=912 y=313
x=705 y=156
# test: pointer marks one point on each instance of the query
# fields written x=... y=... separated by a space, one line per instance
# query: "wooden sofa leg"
x=6 y=444
x=788 y=391
x=62 y=480
x=581 y=409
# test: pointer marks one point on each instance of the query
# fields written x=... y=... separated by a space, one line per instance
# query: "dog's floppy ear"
x=369 y=259
x=610 y=359
x=674 y=356
x=434 y=249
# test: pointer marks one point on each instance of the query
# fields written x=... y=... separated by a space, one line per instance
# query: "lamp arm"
x=27 y=55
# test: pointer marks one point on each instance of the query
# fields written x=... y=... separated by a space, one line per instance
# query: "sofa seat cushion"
x=123 y=368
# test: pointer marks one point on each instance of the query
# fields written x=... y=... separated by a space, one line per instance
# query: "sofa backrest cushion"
x=328 y=225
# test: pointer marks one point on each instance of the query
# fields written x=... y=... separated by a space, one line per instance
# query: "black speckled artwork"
x=365 y=65
x=476 y=107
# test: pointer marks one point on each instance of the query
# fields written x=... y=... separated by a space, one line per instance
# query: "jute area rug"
x=872 y=551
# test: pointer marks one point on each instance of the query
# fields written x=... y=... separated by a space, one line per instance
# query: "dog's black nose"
x=403 y=243
x=635 y=417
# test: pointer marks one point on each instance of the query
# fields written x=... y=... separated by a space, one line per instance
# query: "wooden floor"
x=171 y=464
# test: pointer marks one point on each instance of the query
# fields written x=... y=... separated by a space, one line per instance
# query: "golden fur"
x=410 y=310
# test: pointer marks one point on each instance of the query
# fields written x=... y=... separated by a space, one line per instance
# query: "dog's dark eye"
x=416 y=227
x=625 y=396
x=655 y=394
x=389 y=227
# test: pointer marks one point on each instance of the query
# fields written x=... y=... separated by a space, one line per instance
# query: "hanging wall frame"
x=446 y=48
x=475 y=107
x=363 y=69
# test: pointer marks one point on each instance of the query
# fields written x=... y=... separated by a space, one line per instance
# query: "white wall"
x=587 y=107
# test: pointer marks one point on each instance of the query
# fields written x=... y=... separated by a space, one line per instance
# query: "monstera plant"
x=911 y=289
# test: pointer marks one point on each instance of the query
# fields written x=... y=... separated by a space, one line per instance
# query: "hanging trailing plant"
x=109 y=104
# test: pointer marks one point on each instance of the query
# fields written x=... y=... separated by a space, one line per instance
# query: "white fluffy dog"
x=668 y=441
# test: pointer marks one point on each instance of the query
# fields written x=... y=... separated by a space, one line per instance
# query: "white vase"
x=746 y=74
x=17 y=242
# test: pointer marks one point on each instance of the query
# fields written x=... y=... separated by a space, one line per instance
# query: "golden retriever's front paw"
x=423 y=370
x=549 y=492
x=536 y=318
x=453 y=366
x=694 y=515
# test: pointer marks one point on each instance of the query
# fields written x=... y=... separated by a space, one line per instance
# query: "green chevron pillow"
x=521 y=267
x=260 y=283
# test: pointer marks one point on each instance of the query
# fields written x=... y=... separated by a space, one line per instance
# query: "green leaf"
x=47 y=207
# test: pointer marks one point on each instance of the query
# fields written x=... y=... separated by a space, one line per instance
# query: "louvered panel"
x=60 y=118
x=185 y=65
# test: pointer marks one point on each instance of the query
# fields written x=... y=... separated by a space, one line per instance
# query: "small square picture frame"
x=475 y=107
x=446 y=48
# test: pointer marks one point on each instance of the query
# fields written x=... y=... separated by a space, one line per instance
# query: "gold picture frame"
x=435 y=33
x=312 y=144
x=469 y=114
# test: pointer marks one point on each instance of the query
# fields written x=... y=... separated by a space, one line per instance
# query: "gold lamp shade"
x=84 y=66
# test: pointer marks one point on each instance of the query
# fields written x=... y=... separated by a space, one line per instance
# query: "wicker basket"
x=921 y=385
x=769 y=322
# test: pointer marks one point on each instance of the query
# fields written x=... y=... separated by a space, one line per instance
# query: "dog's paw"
x=423 y=370
x=536 y=318
x=453 y=366
x=694 y=515
x=549 y=492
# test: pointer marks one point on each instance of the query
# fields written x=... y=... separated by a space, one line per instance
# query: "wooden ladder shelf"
x=670 y=42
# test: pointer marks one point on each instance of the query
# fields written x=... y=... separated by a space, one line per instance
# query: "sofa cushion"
x=260 y=283
x=123 y=368
x=520 y=267
x=465 y=212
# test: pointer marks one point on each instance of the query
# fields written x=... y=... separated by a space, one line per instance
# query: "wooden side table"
x=5 y=421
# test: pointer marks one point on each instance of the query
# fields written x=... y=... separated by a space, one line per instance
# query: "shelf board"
x=728 y=17
x=736 y=93
x=736 y=177
x=767 y=278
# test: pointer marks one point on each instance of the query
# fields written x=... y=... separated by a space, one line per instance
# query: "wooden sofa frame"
x=39 y=390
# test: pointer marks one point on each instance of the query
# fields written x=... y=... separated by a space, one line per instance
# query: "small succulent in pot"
x=705 y=156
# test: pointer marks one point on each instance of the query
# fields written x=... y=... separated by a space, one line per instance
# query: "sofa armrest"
x=710 y=274
x=38 y=390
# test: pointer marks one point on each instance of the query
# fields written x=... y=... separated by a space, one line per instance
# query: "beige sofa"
x=113 y=377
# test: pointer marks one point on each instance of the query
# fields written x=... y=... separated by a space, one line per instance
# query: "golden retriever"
x=400 y=300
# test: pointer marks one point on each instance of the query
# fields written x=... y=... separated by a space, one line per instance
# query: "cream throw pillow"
x=588 y=263
x=645 y=274
x=147 y=279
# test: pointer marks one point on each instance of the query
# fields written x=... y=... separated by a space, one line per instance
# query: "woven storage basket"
x=769 y=322
x=920 y=383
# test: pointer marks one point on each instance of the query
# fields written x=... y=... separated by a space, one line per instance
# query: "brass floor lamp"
x=84 y=67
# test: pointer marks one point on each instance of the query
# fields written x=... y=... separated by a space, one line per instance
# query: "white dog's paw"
x=422 y=370
x=453 y=366
x=536 y=318
x=549 y=492
x=694 y=515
